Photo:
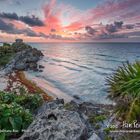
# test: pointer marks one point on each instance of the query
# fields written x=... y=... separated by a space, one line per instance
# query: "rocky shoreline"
x=25 y=60
x=12 y=74
x=55 y=119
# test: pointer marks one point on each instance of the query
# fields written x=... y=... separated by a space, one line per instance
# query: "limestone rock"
x=54 y=122
x=94 y=137
x=24 y=60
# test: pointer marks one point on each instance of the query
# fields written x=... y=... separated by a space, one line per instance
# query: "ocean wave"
x=112 y=60
x=81 y=69
x=105 y=55
x=104 y=68
x=68 y=62
x=70 y=68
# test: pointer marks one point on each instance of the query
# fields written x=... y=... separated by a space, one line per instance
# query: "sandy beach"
x=48 y=88
x=13 y=81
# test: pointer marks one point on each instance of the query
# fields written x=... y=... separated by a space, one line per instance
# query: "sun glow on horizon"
x=109 y=20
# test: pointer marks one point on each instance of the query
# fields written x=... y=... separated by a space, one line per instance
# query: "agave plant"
x=124 y=88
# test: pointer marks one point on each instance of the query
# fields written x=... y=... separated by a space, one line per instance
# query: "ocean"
x=81 y=69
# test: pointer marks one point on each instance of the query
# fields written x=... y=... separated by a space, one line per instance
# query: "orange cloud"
x=52 y=18
x=70 y=22
x=57 y=16
x=74 y=26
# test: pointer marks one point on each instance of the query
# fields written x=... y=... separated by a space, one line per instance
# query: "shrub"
x=97 y=118
x=29 y=101
x=5 y=59
x=14 y=117
x=16 y=111
x=124 y=88
x=6 y=44
x=26 y=100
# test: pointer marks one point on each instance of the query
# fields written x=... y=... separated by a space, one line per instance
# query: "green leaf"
x=16 y=122
x=124 y=89
x=2 y=136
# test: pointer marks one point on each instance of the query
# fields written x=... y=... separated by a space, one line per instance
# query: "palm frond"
x=124 y=86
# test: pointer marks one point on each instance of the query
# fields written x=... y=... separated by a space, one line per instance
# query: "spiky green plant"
x=124 y=88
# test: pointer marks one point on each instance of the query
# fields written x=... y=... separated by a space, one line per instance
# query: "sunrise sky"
x=70 y=20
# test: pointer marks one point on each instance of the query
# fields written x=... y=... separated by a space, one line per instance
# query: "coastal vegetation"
x=6 y=54
x=124 y=89
x=97 y=118
x=8 y=51
x=16 y=111
x=19 y=103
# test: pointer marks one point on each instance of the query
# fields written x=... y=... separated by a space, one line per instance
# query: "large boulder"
x=54 y=122
x=94 y=137
x=20 y=66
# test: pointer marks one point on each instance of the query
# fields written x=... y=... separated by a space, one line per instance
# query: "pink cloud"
x=66 y=19
x=74 y=26
x=114 y=9
x=52 y=18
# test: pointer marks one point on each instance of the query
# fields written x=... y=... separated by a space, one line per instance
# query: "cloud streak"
x=62 y=21
x=110 y=31
x=30 y=20
x=11 y=29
